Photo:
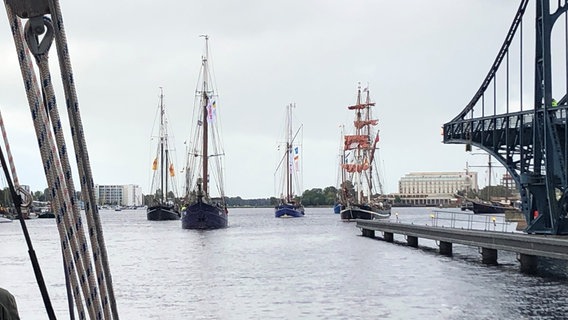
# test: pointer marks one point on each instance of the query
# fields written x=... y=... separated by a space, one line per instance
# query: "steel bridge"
x=530 y=140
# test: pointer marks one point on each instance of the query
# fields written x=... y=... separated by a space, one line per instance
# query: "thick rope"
x=66 y=190
x=85 y=174
x=45 y=140
x=59 y=175
x=9 y=153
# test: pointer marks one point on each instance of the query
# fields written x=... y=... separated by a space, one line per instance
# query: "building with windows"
x=121 y=195
x=434 y=188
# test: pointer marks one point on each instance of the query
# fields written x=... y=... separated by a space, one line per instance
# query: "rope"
x=57 y=168
x=28 y=197
x=85 y=173
x=46 y=144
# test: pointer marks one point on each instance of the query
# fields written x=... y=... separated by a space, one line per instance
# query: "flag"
x=155 y=164
x=297 y=158
x=172 y=171
x=377 y=137
x=211 y=111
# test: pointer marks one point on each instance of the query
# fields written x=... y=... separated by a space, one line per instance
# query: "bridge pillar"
x=368 y=233
x=445 y=248
x=388 y=236
x=489 y=256
x=412 y=241
x=529 y=263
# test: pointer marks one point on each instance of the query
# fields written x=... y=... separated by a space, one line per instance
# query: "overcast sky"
x=422 y=60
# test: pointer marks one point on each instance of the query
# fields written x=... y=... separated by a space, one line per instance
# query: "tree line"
x=311 y=197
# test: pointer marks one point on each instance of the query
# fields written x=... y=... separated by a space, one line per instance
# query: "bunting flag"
x=172 y=171
x=211 y=111
x=297 y=158
x=155 y=164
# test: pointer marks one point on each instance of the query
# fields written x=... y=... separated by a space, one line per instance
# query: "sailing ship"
x=204 y=159
x=358 y=199
x=340 y=173
x=289 y=170
x=163 y=206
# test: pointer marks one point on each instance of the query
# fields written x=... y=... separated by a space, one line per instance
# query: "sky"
x=422 y=61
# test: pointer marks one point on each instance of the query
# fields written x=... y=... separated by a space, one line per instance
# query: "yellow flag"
x=172 y=172
x=155 y=164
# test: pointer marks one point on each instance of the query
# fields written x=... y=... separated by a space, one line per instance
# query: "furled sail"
x=354 y=167
x=361 y=106
x=361 y=123
x=357 y=141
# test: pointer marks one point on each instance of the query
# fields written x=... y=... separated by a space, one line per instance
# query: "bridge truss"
x=532 y=144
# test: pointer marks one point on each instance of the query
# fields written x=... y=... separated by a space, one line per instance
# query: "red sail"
x=361 y=106
x=361 y=123
x=356 y=141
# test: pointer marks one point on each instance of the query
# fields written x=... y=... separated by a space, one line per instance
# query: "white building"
x=123 y=195
x=434 y=188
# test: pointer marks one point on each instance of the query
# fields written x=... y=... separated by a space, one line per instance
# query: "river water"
x=315 y=267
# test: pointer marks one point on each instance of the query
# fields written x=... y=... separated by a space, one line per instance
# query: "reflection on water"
x=315 y=267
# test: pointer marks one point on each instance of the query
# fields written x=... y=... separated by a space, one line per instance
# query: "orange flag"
x=172 y=172
x=155 y=164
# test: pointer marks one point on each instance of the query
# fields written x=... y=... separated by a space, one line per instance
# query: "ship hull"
x=288 y=210
x=337 y=209
x=479 y=208
x=352 y=212
x=203 y=216
x=160 y=213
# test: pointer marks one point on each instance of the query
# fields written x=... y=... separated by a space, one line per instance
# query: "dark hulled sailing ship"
x=359 y=173
x=162 y=208
x=204 y=167
x=290 y=204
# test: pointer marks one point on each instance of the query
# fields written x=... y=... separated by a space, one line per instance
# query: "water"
x=315 y=267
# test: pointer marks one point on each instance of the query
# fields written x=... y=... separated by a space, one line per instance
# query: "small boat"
x=288 y=171
x=204 y=168
x=162 y=207
x=359 y=172
x=46 y=215
x=337 y=208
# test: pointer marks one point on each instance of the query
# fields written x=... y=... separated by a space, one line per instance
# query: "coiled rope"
x=92 y=289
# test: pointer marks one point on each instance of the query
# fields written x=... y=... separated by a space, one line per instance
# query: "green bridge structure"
x=531 y=139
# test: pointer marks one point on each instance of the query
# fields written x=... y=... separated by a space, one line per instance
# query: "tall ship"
x=361 y=195
x=204 y=164
x=288 y=172
x=163 y=206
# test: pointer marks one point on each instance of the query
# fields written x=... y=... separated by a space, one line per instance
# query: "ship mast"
x=162 y=137
x=289 y=153
x=368 y=119
x=359 y=155
x=205 y=124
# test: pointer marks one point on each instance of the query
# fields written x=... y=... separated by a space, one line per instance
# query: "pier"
x=528 y=246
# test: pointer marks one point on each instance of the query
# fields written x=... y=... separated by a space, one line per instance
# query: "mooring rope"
x=57 y=167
